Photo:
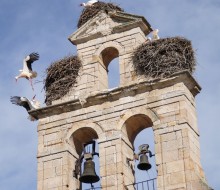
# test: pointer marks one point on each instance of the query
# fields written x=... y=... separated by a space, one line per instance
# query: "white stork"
x=155 y=34
x=27 y=71
x=89 y=3
x=26 y=103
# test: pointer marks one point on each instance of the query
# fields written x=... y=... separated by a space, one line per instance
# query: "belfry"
x=110 y=119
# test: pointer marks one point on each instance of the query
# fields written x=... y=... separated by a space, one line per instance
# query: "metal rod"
x=150 y=184
x=147 y=186
x=153 y=184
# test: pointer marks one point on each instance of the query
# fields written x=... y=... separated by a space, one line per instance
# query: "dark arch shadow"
x=108 y=54
x=82 y=136
x=135 y=124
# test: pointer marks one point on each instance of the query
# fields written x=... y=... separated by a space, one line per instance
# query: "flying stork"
x=89 y=3
x=27 y=71
x=26 y=103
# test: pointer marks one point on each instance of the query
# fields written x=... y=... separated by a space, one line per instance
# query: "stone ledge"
x=97 y=98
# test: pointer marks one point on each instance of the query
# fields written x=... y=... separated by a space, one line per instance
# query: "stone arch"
x=81 y=133
x=108 y=51
x=142 y=118
x=115 y=45
x=105 y=54
x=108 y=54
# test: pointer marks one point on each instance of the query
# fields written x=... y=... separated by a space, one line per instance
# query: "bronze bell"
x=89 y=175
x=144 y=163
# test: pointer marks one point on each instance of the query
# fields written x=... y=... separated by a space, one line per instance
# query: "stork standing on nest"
x=89 y=3
x=155 y=34
x=27 y=71
x=26 y=103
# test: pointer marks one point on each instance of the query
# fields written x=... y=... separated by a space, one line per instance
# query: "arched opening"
x=86 y=186
x=111 y=63
x=108 y=54
x=146 y=136
x=139 y=131
x=135 y=124
x=113 y=74
x=79 y=138
x=82 y=136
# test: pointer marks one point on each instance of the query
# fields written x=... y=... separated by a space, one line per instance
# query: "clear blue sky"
x=44 y=26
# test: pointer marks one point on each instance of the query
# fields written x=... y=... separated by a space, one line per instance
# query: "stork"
x=155 y=34
x=27 y=71
x=89 y=3
x=26 y=103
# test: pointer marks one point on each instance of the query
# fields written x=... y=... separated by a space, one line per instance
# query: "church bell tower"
x=112 y=118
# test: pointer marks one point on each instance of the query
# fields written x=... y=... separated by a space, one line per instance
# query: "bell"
x=144 y=163
x=89 y=175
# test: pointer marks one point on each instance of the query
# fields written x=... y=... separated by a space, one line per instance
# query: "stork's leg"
x=31 y=84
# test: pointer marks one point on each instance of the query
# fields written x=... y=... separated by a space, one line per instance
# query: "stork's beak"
x=81 y=5
x=34 y=97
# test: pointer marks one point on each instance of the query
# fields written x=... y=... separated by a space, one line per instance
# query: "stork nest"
x=163 y=57
x=93 y=10
x=61 y=76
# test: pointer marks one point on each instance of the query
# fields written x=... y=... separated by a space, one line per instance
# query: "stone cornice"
x=129 y=22
x=97 y=98
x=138 y=21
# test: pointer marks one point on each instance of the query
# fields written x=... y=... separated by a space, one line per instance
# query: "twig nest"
x=93 y=10
x=61 y=76
x=163 y=57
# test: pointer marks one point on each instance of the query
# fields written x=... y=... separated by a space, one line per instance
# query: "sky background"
x=44 y=26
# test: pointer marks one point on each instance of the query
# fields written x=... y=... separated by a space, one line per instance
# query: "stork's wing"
x=17 y=101
x=93 y=1
x=32 y=57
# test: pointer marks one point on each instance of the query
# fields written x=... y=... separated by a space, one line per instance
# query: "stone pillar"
x=56 y=160
x=177 y=145
x=115 y=171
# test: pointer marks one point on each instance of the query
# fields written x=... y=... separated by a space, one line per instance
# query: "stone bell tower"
x=114 y=117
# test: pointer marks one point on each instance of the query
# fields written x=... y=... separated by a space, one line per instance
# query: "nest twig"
x=90 y=12
x=61 y=76
x=163 y=57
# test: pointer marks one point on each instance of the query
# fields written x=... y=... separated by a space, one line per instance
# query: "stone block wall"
x=94 y=74
x=168 y=107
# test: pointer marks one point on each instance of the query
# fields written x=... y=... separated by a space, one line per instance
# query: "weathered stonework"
x=114 y=117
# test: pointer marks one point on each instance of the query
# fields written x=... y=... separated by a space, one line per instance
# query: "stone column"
x=56 y=160
x=115 y=171
x=177 y=145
